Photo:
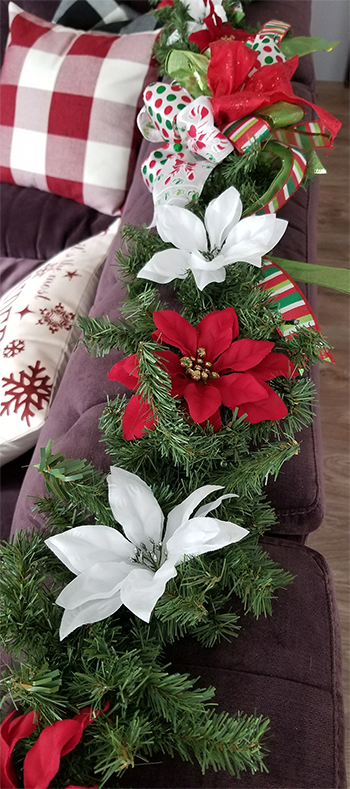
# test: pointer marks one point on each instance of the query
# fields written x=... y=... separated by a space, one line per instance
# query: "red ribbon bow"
x=237 y=95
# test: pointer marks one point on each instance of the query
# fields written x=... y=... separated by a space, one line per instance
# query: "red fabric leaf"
x=10 y=732
x=175 y=330
x=272 y=365
x=270 y=408
x=216 y=332
x=125 y=371
x=203 y=400
x=243 y=355
x=229 y=65
x=137 y=416
x=239 y=388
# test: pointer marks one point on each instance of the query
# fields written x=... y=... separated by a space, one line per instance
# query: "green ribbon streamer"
x=305 y=45
x=273 y=150
x=325 y=276
x=315 y=165
x=190 y=70
x=281 y=114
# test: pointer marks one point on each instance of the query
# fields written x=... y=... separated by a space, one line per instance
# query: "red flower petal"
x=170 y=360
x=10 y=732
x=239 y=388
x=137 y=416
x=214 y=420
x=243 y=355
x=202 y=38
x=202 y=400
x=216 y=332
x=125 y=371
x=175 y=330
x=270 y=408
x=43 y=760
x=272 y=365
x=216 y=29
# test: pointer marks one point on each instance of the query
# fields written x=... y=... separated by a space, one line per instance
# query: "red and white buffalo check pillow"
x=68 y=105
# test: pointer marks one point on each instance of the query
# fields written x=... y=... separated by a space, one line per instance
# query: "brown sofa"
x=286 y=667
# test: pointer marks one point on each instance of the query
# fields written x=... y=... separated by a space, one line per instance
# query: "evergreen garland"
x=122 y=660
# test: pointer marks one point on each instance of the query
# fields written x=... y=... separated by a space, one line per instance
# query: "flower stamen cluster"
x=198 y=369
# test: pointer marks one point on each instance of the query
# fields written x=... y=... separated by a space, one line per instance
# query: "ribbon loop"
x=177 y=171
x=290 y=302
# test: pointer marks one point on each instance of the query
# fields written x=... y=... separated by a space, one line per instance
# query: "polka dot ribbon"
x=266 y=42
x=177 y=171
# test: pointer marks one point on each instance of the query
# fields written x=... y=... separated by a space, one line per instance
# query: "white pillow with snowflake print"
x=38 y=332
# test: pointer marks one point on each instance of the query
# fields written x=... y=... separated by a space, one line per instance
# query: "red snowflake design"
x=57 y=318
x=13 y=348
x=28 y=393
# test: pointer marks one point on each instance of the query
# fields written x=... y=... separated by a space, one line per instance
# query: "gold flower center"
x=197 y=368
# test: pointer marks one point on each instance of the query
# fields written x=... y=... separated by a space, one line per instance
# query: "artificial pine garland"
x=171 y=449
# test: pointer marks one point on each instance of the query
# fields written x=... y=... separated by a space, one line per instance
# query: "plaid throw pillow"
x=94 y=14
x=68 y=103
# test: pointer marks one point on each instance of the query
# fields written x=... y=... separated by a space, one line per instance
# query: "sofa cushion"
x=69 y=101
x=38 y=333
x=286 y=667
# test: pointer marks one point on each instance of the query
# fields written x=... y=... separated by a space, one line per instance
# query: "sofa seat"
x=285 y=667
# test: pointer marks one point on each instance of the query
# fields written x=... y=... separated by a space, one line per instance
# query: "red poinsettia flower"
x=42 y=761
x=137 y=415
x=236 y=94
x=215 y=29
x=214 y=369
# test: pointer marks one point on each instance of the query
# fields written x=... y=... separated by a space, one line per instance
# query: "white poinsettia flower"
x=205 y=249
x=112 y=570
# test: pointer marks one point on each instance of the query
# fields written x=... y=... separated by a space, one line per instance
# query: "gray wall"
x=330 y=19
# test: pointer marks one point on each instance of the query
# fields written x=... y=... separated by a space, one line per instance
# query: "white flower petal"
x=181 y=228
x=279 y=227
x=253 y=236
x=135 y=507
x=206 y=277
x=222 y=215
x=81 y=547
x=89 y=612
x=182 y=512
x=201 y=535
x=99 y=582
x=198 y=262
x=143 y=588
x=214 y=504
x=165 y=266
